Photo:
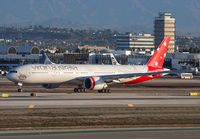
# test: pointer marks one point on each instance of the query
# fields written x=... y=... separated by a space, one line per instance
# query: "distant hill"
x=124 y=15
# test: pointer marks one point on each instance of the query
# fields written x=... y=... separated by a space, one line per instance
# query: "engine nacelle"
x=50 y=86
x=94 y=83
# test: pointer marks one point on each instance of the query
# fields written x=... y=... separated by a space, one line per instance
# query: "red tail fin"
x=158 y=57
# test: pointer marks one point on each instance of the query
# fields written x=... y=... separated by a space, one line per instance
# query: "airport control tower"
x=164 y=26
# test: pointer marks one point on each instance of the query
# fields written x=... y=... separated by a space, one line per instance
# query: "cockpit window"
x=13 y=71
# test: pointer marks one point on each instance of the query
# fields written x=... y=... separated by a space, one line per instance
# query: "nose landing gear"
x=20 y=87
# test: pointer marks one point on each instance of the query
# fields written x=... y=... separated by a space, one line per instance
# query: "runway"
x=161 y=91
x=89 y=99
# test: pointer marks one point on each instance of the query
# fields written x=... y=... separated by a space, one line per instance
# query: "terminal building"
x=135 y=43
x=11 y=56
x=76 y=58
x=175 y=61
x=164 y=26
x=15 y=56
x=92 y=48
x=104 y=58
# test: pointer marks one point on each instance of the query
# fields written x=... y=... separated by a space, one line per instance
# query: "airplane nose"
x=11 y=77
x=8 y=76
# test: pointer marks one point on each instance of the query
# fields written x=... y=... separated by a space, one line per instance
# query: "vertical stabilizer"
x=45 y=59
x=157 y=60
x=113 y=59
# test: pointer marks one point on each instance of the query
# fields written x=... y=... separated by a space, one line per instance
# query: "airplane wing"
x=116 y=76
x=111 y=78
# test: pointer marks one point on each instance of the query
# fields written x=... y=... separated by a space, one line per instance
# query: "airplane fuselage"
x=61 y=73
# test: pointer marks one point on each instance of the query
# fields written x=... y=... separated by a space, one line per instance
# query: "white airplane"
x=90 y=77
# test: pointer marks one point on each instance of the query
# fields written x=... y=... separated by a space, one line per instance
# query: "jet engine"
x=94 y=83
x=50 y=86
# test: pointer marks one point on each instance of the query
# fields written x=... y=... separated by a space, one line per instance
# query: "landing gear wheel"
x=79 y=90
x=104 y=91
x=75 y=90
x=20 y=87
x=108 y=91
x=19 y=90
x=100 y=91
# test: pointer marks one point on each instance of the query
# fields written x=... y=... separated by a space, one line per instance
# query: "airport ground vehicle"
x=186 y=75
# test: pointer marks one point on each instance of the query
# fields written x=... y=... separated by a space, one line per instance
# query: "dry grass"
x=100 y=117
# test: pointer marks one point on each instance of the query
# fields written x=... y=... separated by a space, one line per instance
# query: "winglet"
x=157 y=60
x=113 y=59
x=45 y=59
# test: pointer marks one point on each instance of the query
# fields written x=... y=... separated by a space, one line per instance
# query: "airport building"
x=92 y=48
x=177 y=61
x=104 y=58
x=76 y=58
x=165 y=26
x=11 y=56
x=136 y=43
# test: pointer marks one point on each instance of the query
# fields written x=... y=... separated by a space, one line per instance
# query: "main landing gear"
x=105 y=90
x=80 y=89
x=20 y=87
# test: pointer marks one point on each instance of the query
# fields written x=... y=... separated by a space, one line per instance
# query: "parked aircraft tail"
x=45 y=59
x=113 y=59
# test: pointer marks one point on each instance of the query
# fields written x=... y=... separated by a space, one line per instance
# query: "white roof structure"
x=19 y=50
x=8 y=50
x=28 y=50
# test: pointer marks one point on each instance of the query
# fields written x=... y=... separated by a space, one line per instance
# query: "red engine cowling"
x=50 y=86
x=94 y=83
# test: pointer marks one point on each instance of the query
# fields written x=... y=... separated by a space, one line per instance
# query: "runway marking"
x=47 y=99
x=130 y=105
x=95 y=131
x=31 y=106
